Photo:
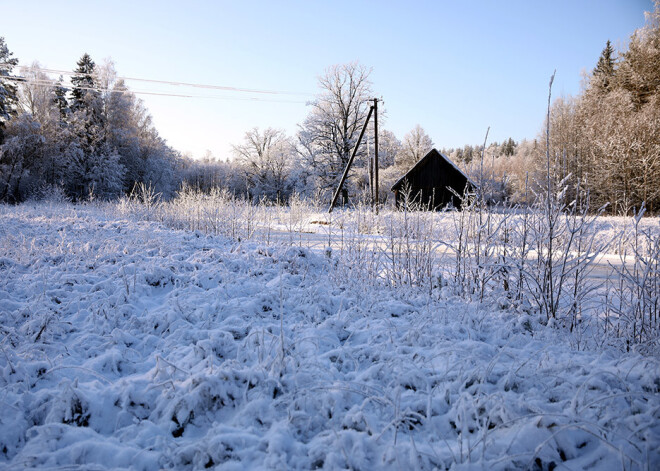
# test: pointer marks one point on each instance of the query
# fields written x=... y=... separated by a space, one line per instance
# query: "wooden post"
x=371 y=175
x=376 y=152
x=350 y=162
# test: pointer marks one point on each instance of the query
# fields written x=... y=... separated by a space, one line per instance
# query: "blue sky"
x=454 y=67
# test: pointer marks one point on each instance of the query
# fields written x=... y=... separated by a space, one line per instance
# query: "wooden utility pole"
x=375 y=108
x=350 y=162
x=371 y=175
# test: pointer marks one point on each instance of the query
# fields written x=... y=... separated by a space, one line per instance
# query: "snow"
x=128 y=345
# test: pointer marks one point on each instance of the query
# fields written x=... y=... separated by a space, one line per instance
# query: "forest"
x=91 y=137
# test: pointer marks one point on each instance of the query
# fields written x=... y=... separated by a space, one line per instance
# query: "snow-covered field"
x=125 y=344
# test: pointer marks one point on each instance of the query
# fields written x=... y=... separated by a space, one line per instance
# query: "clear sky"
x=454 y=67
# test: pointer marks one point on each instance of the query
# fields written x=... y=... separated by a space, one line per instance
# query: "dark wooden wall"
x=428 y=183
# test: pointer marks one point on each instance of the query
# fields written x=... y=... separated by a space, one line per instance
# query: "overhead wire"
x=175 y=83
x=51 y=84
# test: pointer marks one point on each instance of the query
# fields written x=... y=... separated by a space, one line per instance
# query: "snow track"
x=128 y=345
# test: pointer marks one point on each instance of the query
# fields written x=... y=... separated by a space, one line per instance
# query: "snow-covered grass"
x=128 y=344
x=594 y=275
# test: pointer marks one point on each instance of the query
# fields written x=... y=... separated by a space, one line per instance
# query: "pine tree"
x=87 y=106
x=605 y=68
x=60 y=99
x=8 y=92
x=83 y=82
x=87 y=123
x=508 y=147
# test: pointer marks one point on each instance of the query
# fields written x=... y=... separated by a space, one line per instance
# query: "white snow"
x=128 y=345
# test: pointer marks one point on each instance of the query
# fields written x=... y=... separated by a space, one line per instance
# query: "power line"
x=50 y=84
x=169 y=82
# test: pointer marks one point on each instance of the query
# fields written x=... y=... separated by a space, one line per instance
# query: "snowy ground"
x=126 y=344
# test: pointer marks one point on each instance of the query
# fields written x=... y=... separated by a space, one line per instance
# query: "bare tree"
x=388 y=147
x=267 y=160
x=329 y=133
x=36 y=95
x=416 y=144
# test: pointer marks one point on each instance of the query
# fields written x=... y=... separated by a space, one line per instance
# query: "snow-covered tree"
x=37 y=96
x=8 y=94
x=416 y=144
x=83 y=83
x=329 y=133
x=122 y=132
x=61 y=100
x=267 y=158
x=105 y=175
x=388 y=146
x=603 y=74
x=20 y=153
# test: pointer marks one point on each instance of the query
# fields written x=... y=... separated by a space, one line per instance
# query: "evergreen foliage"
x=83 y=82
x=8 y=91
x=603 y=74
x=100 y=143
x=60 y=99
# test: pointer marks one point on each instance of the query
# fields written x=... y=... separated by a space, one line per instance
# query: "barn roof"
x=433 y=153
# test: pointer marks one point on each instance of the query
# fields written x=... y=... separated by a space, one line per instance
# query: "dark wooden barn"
x=430 y=183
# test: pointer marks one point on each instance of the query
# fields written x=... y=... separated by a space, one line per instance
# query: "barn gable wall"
x=428 y=182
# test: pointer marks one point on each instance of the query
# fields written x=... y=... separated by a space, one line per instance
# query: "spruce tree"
x=87 y=123
x=83 y=82
x=87 y=105
x=8 y=91
x=605 y=68
x=60 y=99
x=508 y=147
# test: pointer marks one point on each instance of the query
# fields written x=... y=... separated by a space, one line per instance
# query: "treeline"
x=92 y=139
x=607 y=139
x=269 y=164
x=604 y=142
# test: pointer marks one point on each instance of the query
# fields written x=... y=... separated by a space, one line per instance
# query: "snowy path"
x=130 y=346
x=604 y=267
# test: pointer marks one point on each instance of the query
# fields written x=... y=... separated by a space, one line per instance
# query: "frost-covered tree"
x=123 y=132
x=416 y=144
x=87 y=105
x=60 y=99
x=209 y=173
x=508 y=147
x=389 y=146
x=38 y=101
x=618 y=125
x=639 y=69
x=37 y=96
x=603 y=73
x=105 y=174
x=8 y=93
x=267 y=158
x=129 y=131
x=83 y=83
x=19 y=155
x=100 y=143
x=330 y=131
